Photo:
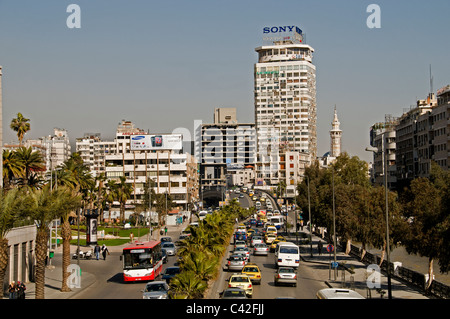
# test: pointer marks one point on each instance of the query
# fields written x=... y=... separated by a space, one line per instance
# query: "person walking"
x=165 y=230
x=319 y=247
x=104 y=251
x=97 y=251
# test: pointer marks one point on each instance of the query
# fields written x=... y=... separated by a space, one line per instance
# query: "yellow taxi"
x=250 y=232
x=270 y=237
x=252 y=270
x=273 y=245
x=241 y=281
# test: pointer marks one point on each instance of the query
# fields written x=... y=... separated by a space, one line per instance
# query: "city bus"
x=142 y=261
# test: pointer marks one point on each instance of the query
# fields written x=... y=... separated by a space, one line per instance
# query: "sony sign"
x=282 y=29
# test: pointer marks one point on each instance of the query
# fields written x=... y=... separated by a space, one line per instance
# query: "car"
x=273 y=245
x=238 y=250
x=170 y=248
x=241 y=281
x=156 y=290
x=250 y=232
x=241 y=195
x=286 y=275
x=165 y=239
x=270 y=237
x=243 y=254
x=239 y=243
x=259 y=223
x=236 y=262
x=256 y=240
x=170 y=272
x=234 y=293
x=260 y=249
x=127 y=226
x=252 y=270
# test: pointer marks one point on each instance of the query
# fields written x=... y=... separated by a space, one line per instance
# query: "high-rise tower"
x=335 y=135
x=285 y=102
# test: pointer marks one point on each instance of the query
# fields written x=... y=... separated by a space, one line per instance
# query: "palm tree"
x=21 y=125
x=11 y=206
x=47 y=205
x=32 y=161
x=12 y=167
x=123 y=193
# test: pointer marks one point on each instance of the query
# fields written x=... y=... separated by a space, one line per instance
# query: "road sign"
x=330 y=248
x=334 y=264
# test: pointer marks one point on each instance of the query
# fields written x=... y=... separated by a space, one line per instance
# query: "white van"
x=287 y=254
x=277 y=221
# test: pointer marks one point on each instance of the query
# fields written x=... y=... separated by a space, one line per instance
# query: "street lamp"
x=385 y=172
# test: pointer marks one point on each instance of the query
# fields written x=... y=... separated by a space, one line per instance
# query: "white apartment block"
x=172 y=171
x=285 y=105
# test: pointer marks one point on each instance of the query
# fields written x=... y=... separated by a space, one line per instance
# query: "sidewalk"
x=53 y=273
x=344 y=278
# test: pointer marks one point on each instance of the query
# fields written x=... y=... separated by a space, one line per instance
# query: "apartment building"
x=406 y=153
x=441 y=128
x=93 y=151
x=382 y=136
x=284 y=101
x=224 y=148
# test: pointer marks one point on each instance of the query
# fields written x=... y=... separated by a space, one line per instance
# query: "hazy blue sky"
x=164 y=64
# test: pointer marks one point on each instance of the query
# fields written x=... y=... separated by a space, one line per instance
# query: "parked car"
x=156 y=290
x=286 y=275
x=260 y=249
x=170 y=272
x=241 y=281
x=236 y=262
x=170 y=248
x=234 y=293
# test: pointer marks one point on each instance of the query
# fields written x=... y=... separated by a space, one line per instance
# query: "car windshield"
x=236 y=258
x=168 y=245
x=250 y=269
x=155 y=287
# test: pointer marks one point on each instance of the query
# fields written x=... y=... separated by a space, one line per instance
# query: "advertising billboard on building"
x=156 y=142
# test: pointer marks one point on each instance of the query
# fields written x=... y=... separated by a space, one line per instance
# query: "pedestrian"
x=12 y=290
x=104 y=251
x=21 y=290
x=319 y=247
x=165 y=230
x=298 y=226
x=97 y=251
x=301 y=224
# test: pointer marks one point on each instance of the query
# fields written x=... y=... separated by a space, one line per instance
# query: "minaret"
x=335 y=135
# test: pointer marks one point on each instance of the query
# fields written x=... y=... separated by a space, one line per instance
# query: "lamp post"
x=310 y=221
x=385 y=172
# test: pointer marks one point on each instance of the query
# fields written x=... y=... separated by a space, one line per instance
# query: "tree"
x=46 y=205
x=426 y=208
x=12 y=167
x=32 y=161
x=123 y=193
x=12 y=202
x=20 y=125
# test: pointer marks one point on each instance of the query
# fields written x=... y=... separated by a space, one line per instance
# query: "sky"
x=165 y=64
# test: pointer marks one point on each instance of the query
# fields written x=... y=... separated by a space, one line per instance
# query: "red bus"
x=142 y=261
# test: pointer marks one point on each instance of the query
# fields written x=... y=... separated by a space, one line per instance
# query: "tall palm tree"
x=12 y=167
x=47 y=205
x=11 y=205
x=20 y=125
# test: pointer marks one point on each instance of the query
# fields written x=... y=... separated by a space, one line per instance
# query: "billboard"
x=156 y=142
